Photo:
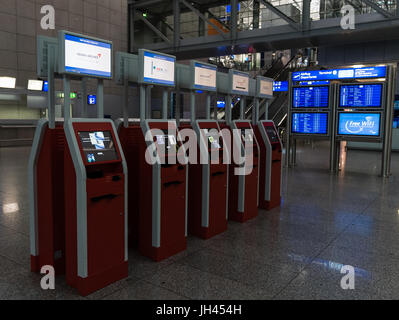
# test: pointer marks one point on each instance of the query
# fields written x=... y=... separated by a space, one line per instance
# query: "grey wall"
x=20 y=24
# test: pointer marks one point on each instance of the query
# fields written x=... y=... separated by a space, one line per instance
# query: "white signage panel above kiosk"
x=264 y=87
x=156 y=68
x=85 y=56
x=204 y=76
x=239 y=82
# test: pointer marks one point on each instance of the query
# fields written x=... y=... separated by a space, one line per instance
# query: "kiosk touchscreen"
x=163 y=208
x=270 y=169
x=95 y=205
x=207 y=202
x=243 y=189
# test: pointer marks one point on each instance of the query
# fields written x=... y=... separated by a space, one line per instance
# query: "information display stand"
x=157 y=192
x=243 y=189
x=360 y=108
x=208 y=178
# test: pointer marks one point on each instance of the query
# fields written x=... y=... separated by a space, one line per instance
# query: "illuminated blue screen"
x=361 y=95
x=310 y=97
x=91 y=99
x=359 y=124
x=310 y=123
x=45 y=86
x=280 y=86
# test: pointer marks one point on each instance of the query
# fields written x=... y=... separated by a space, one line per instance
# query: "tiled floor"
x=293 y=252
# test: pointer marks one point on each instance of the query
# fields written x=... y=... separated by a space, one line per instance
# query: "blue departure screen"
x=359 y=124
x=280 y=86
x=310 y=97
x=361 y=95
x=310 y=123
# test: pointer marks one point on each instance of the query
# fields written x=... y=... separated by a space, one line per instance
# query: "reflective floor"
x=293 y=252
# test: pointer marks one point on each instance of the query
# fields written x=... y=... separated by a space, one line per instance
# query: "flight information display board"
x=310 y=97
x=359 y=124
x=361 y=96
x=310 y=123
x=98 y=146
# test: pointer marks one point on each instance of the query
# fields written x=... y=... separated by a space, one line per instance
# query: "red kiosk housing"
x=46 y=183
x=243 y=189
x=95 y=205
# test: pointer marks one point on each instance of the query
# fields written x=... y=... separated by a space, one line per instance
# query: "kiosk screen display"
x=310 y=97
x=166 y=141
x=272 y=134
x=98 y=146
x=361 y=96
x=310 y=123
x=359 y=124
x=213 y=138
x=88 y=57
x=247 y=135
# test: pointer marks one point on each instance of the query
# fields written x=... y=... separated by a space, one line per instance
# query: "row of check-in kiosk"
x=98 y=187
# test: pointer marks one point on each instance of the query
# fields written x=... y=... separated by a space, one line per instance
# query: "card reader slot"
x=219 y=173
x=172 y=183
x=104 y=197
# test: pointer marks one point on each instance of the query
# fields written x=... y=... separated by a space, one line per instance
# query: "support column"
x=165 y=104
x=51 y=87
x=84 y=98
x=228 y=109
x=176 y=23
x=208 y=106
x=67 y=99
x=192 y=106
x=255 y=14
x=266 y=114
x=234 y=19
x=148 y=102
x=242 y=107
x=306 y=15
x=131 y=27
x=100 y=99
x=142 y=102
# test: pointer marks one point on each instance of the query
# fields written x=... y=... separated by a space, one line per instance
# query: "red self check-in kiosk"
x=270 y=164
x=208 y=183
x=163 y=187
x=243 y=188
x=95 y=205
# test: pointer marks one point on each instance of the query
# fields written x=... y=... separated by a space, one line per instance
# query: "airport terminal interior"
x=286 y=192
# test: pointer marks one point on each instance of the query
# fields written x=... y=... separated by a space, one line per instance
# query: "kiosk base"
x=159 y=254
x=86 y=286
